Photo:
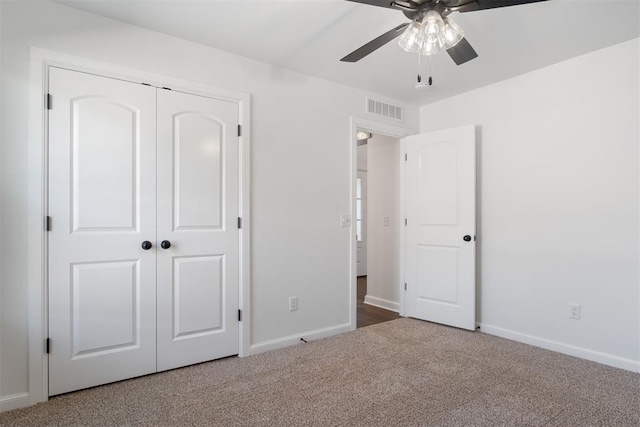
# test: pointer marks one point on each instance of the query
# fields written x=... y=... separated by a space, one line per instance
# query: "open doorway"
x=357 y=295
x=377 y=224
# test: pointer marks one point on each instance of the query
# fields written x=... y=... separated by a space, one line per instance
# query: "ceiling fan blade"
x=381 y=3
x=462 y=52
x=492 y=4
x=375 y=44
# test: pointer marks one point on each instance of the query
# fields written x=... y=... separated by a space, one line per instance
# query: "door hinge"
x=239 y=222
x=405 y=221
x=405 y=157
x=405 y=286
x=239 y=130
x=239 y=315
x=47 y=223
x=49 y=102
x=47 y=345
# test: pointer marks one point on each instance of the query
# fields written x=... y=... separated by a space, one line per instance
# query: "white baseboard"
x=295 y=339
x=14 y=401
x=583 y=353
x=382 y=303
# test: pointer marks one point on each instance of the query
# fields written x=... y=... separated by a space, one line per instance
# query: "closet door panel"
x=102 y=283
x=198 y=272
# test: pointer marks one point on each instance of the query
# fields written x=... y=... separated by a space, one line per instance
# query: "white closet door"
x=198 y=291
x=102 y=283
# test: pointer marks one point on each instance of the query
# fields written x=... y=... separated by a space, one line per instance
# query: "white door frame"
x=40 y=61
x=394 y=131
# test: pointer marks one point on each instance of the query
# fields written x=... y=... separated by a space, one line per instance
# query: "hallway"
x=368 y=314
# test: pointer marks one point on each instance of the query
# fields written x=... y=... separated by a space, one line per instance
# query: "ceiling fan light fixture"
x=432 y=29
x=432 y=25
x=451 y=35
x=412 y=38
x=431 y=48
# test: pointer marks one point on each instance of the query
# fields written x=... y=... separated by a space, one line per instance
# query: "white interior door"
x=361 y=223
x=198 y=290
x=102 y=283
x=440 y=185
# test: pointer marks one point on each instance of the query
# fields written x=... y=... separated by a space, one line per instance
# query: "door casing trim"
x=37 y=287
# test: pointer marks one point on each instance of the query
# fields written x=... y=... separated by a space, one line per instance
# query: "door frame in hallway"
x=394 y=131
x=40 y=62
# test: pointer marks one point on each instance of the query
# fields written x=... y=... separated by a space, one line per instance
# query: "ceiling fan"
x=430 y=30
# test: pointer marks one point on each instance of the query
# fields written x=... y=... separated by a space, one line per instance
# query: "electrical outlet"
x=574 y=311
x=293 y=303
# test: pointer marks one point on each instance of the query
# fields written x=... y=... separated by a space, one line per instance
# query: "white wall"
x=362 y=157
x=558 y=202
x=298 y=247
x=383 y=174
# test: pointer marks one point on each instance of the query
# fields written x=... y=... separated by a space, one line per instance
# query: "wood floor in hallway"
x=368 y=314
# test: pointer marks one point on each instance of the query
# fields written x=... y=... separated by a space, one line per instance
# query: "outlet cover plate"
x=574 y=311
x=293 y=303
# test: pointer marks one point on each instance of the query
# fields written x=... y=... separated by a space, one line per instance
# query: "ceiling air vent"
x=384 y=109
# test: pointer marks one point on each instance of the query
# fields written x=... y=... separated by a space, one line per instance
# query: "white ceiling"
x=310 y=36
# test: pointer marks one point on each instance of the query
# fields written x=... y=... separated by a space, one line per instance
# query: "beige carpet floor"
x=400 y=373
